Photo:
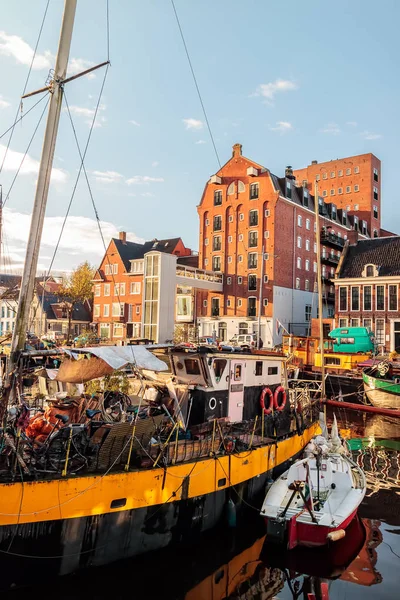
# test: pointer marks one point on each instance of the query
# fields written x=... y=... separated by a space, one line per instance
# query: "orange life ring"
x=279 y=405
x=267 y=392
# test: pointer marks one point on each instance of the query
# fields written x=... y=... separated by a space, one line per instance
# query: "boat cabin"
x=352 y=339
x=227 y=384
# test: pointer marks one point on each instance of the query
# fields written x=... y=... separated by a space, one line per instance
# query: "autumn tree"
x=76 y=288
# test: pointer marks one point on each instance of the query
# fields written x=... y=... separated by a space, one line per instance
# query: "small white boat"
x=313 y=502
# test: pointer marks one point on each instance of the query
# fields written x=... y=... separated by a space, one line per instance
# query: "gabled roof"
x=80 y=312
x=132 y=250
x=383 y=252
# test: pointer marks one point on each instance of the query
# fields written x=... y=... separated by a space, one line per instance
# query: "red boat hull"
x=308 y=534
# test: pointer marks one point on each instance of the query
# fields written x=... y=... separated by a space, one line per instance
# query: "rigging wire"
x=108 y=29
x=25 y=86
x=24 y=115
x=26 y=152
x=196 y=84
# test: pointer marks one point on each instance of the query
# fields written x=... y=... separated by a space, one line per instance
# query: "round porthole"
x=212 y=404
x=179 y=365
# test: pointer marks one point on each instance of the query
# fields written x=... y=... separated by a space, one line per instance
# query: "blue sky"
x=292 y=82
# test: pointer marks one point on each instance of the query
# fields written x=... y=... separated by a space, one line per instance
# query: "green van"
x=353 y=339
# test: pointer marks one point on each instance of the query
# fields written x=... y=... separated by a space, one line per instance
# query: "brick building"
x=352 y=183
x=367 y=288
x=259 y=230
x=142 y=290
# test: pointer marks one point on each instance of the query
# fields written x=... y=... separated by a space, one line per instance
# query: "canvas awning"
x=120 y=356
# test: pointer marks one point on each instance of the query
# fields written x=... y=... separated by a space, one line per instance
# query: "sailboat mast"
x=319 y=288
x=43 y=182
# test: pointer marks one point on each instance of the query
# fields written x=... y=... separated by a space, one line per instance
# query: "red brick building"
x=367 y=288
x=259 y=231
x=118 y=285
x=352 y=183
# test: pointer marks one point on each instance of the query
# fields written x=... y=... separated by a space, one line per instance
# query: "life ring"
x=212 y=401
x=267 y=392
x=279 y=405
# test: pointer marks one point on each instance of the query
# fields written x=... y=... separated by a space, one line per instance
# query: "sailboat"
x=90 y=488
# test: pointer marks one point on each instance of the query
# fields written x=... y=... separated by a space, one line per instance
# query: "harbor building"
x=367 y=288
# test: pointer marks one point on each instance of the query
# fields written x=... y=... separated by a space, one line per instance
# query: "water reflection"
x=239 y=565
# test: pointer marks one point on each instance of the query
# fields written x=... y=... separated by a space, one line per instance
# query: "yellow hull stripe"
x=73 y=497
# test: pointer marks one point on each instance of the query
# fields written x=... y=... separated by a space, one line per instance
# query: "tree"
x=77 y=288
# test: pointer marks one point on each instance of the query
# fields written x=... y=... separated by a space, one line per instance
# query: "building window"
x=97 y=290
x=299 y=220
x=138 y=309
x=253 y=218
x=96 y=310
x=343 y=298
x=239 y=280
x=107 y=269
x=206 y=242
x=376 y=175
x=265 y=278
x=356 y=188
x=106 y=310
x=348 y=189
x=122 y=289
x=217 y=223
x=332 y=192
x=356 y=207
x=229 y=259
x=205 y=262
x=240 y=237
x=298 y=262
x=356 y=170
x=228 y=280
x=253 y=239
x=297 y=283
x=298 y=241
x=367 y=292
x=230 y=219
x=332 y=174
x=380 y=297
x=135 y=287
x=228 y=305
x=375 y=193
x=265 y=301
x=266 y=234
x=308 y=245
x=205 y=303
x=348 y=171
x=215 y=307
x=251 y=306
x=307 y=285
x=118 y=330
x=240 y=258
x=229 y=239
x=253 y=191
x=115 y=269
x=307 y=265
x=340 y=173
x=239 y=302
x=217 y=197
x=375 y=233
x=380 y=331
x=216 y=263
x=217 y=243
x=207 y=222
x=307 y=315
x=324 y=193
x=355 y=298
x=117 y=309
x=308 y=224
x=367 y=323
x=315 y=247
x=393 y=297
x=354 y=322
x=252 y=260
x=252 y=282
x=305 y=198
x=342 y=322
x=340 y=190
x=106 y=289
x=288 y=189
x=375 y=212
x=325 y=176
x=241 y=217
x=317 y=177
x=315 y=267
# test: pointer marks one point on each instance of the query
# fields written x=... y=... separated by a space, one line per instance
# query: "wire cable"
x=108 y=29
x=25 y=86
x=196 y=84
x=24 y=115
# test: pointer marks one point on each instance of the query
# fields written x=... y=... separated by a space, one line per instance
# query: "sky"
x=292 y=81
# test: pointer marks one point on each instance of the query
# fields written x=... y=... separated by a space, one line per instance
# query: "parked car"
x=244 y=340
x=208 y=340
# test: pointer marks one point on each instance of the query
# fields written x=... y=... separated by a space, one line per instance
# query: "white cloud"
x=81 y=235
x=155 y=163
x=21 y=51
x=201 y=142
x=88 y=114
x=107 y=176
x=193 y=124
x=331 y=128
x=269 y=90
x=29 y=166
x=77 y=65
x=369 y=135
x=352 y=123
x=3 y=103
x=143 y=179
x=135 y=123
x=282 y=127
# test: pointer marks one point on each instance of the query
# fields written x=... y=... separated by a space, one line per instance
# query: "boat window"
x=272 y=370
x=192 y=366
x=347 y=340
x=219 y=367
x=238 y=372
x=331 y=360
x=259 y=367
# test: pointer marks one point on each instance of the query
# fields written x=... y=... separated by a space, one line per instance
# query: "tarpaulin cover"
x=119 y=356
x=84 y=369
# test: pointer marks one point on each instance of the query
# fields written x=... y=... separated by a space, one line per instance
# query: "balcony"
x=331 y=239
x=330 y=259
x=199 y=278
x=215 y=311
x=329 y=297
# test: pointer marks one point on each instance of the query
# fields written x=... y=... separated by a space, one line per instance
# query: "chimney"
x=122 y=236
x=289 y=173
x=314 y=162
x=353 y=237
x=237 y=150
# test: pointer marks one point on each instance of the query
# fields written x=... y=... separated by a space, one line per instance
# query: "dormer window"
x=288 y=189
x=370 y=271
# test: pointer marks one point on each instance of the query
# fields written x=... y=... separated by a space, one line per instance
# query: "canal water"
x=238 y=564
